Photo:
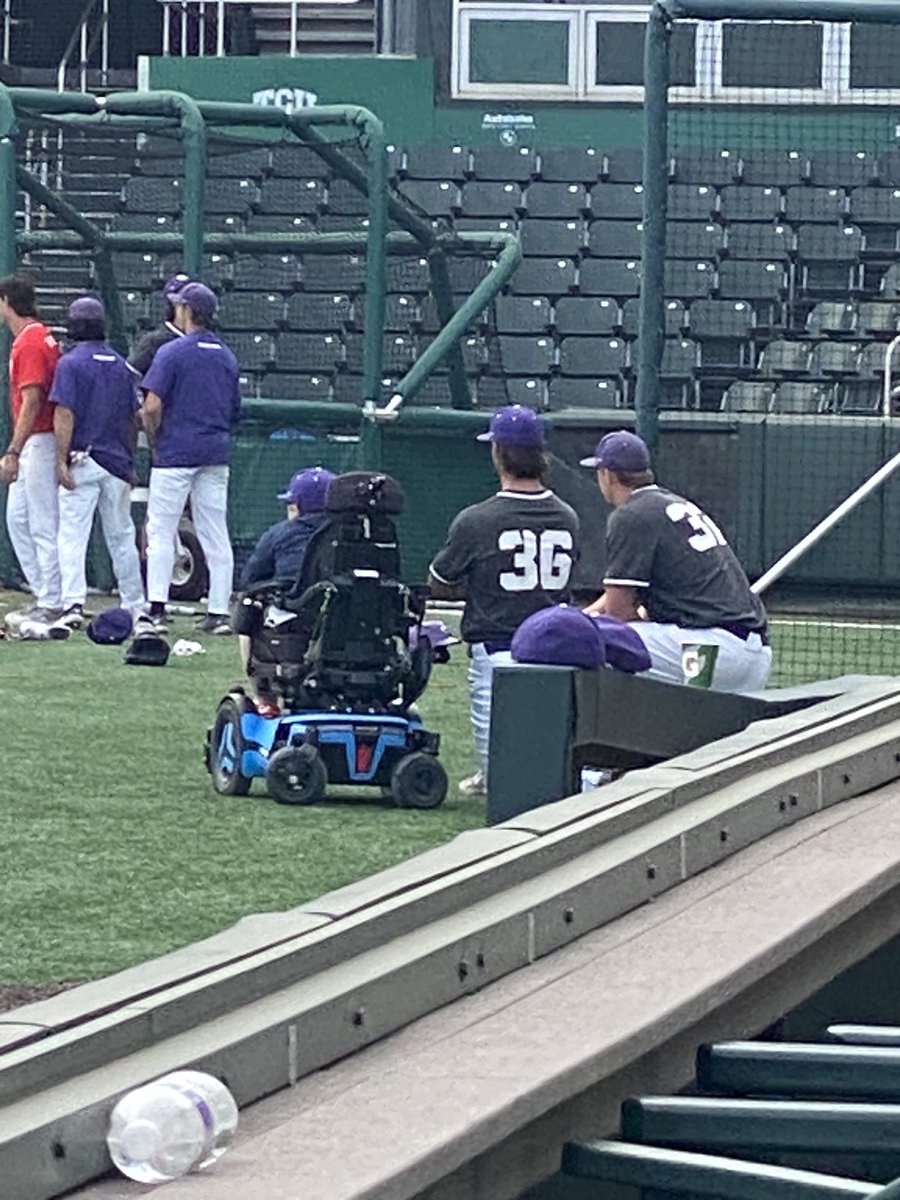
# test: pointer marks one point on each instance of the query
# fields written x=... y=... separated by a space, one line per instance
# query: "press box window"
x=620 y=54
x=874 y=57
x=528 y=54
x=772 y=54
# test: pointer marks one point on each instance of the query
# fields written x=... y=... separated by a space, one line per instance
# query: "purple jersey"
x=196 y=377
x=94 y=382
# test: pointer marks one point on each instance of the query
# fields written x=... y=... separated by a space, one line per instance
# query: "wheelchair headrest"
x=364 y=492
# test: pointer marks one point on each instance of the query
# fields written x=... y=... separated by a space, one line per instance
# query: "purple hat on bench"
x=564 y=636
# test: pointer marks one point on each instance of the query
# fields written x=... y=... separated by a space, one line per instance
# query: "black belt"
x=498 y=644
x=742 y=632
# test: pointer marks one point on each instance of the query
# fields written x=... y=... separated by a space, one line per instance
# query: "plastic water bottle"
x=182 y=1122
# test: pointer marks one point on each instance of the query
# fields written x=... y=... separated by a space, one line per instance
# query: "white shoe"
x=474 y=785
x=72 y=619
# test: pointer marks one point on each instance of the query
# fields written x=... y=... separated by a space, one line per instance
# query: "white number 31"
x=538 y=559
x=707 y=536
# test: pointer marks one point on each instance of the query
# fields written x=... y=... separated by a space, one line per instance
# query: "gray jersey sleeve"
x=630 y=549
x=455 y=558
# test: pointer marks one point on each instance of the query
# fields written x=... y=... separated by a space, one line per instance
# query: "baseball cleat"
x=474 y=785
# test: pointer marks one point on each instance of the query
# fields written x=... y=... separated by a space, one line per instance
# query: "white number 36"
x=538 y=559
x=707 y=536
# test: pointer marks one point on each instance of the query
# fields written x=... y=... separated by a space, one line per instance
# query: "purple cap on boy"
x=515 y=425
x=174 y=284
x=308 y=489
x=620 y=451
x=199 y=298
x=87 y=308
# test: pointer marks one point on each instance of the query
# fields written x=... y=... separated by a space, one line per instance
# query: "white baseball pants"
x=207 y=490
x=32 y=518
x=97 y=490
x=481 y=680
x=740 y=666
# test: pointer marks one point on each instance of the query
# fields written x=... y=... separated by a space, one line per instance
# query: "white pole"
x=104 y=51
x=7 y=29
x=220 y=29
x=185 y=53
x=84 y=53
x=202 y=46
x=816 y=534
x=888 y=368
x=293 y=50
x=167 y=28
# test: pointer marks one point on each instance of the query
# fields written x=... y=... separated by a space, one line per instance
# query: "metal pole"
x=220 y=29
x=7 y=29
x=104 y=45
x=184 y=29
x=8 y=258
x=828 y=523
x=83 y=53
x=201 y=45
x=656 y=189
x=887 y=11
x=460 y=395
x=376 y=283
x=167 y=28
x=888 y=366
x=293 y=50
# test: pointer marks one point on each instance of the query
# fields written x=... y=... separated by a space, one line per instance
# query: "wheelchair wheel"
x=225 y=747
x=296 y=775
x=418 y=781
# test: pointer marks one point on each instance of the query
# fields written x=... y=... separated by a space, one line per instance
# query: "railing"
x=886 y=398
x=194 y=26
x=92 y=28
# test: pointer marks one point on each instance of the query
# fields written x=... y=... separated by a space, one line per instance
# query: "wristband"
x=13 y=452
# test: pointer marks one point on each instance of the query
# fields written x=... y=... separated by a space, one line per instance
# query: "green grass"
x=114 y=847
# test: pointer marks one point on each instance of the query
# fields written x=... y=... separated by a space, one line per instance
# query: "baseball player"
x=144 y=350
x=28 y=464
x=508 y=556
x=191 y=407
x=667 y=557
x=95 y=426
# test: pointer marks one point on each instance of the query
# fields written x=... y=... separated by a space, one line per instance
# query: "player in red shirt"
x=28 y=464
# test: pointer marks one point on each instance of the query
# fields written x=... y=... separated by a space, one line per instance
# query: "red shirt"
x=32 y=363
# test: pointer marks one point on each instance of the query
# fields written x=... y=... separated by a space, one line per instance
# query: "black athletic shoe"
x=215 y=623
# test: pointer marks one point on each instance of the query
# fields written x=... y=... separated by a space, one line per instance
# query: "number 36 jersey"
x=514 y=555
x=669 y=548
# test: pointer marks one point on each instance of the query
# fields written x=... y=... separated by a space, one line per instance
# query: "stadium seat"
x=216 y=272
x=251 y=310
x=437 y=198
x=523 y=314
x=691 y=202
x=740 y=280
x=347 y=388
x=782 y=357
x=625 y=165
x=225 y=222
x=748 y=395
x=842 y=168
x=429 y=318
x=315 y=353
x=798 y=398
x=890 y=283
x=875 y=206
x=466 y=272
x=723 y=328
x=401 y=313
x=473 y=348
x=679 y=359
x=829 y=243
x=310 y=313
x=483 y=199
x=774 y=168
x=138 y=271
x=832 y=318
x=545 y=277
x=714 y=168
x=687 y=279
x=283 y=386
x=834 y=359
x=571 y=164
x=342 y=197
x=610 y=277
x=549 y=237
x=279 y=223
x=564 y=201
x=586 y=315
x=254 y=351
x=298 y=162
x=398 y=352
x=434 y=393
x=693 y=239
x=889 y=168
x=230 y=195
x=294 y=196
x=165 y=166
x=532 y=392
x=484 y=224
x=408 y=273
x=127 y=222
x=752 y=240
x=532 y=356
x=341 y=223
x=742 y=203
x=676 y=317
x=864 y=395
x=135 y=309
x=616 y=201
x=592 y=356
x=253 y=163
x=148 y=195
x=334 y=272
x=616 y=239
x=583 y=393
x=428 y=160
x=824 y=205
x=878 y=317
x=495 y=162
x=266 y=271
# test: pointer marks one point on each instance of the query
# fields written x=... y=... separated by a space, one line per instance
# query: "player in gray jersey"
x=508 y=556
x=666 y=557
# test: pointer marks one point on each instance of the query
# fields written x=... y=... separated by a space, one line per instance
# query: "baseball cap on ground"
x=111 y=627
x=147 y=650
x=308 y=489
x=620 y=451
x=86 y=308
x=515 y=425
x=564 y=636
x=174 y=284
x=199 y=298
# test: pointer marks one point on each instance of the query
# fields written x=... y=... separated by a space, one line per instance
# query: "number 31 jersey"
x=669 y=548
x=514 y=555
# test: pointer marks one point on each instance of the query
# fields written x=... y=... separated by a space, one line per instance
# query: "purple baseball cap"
x=110 y=627
x=199 y=298
x=174 y=284
x=620 y=451
x=308 y=489
x=515 y=425
x=86 y=308
x=561 y=636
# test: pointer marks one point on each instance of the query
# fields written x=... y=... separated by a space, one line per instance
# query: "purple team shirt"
x=94 y=382
x=196 y=377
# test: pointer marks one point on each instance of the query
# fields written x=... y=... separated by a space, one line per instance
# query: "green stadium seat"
x=523 y=314
x=564 y=201
x=279 y=223
x=135 y=309
x=533 y=356
x=308 y=352
x=342 y=197
x=571 y=164
x=691 y=202
x=532 y=392
x=317 y=312
x=486 y=199
x=266 y=272
x=889 y=168
x=679 y=360
x=832 y=318
x=890 y=283
x=782 y=357
x=485 y=224
x=616 y=277
x=586 y=315
x=473 y=348
x=616 y=239
x=676 y=317
x=132 y=222
x=436 y=198
x=408 y=273
x=829 y=243
x=687 y=279
x=434 y=393
x=429 y=319
x=545 y=277
x=284 y=386
x=748 y=395
x=758 y=241
x=774 y=168
x=398 y=352
x=292 y=196
x=401 y=313
x=334 y=272
x=875 y=206
x=137 y=271
x=819 y=204
x=252 y=310
x=842 y=168
x=753 y=281
x=467 y=272
x=340 y=223
x=694 y=239
x=743 y=203
x=552 y=237
x=625 y=165
x=298 y=162
x=225 y=222
x=238 y=164
x=428 y=160
x=504 y=163
x=583 y=393
x=254 y=351
x=878 y=317
x=217 y=270
x=593 y=356
x=148 y=195
x=713 y=168
x=724 y=329
x=616 y=201
x=798 y=398
x=830 y=359
x=164 y=166
x=230 y=195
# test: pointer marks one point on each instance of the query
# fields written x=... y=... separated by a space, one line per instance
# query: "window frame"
x=826 y=93
x=463 y=87
x=595 y=16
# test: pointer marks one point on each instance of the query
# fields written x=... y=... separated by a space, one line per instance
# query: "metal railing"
x=192 y=24
x=92 y=29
